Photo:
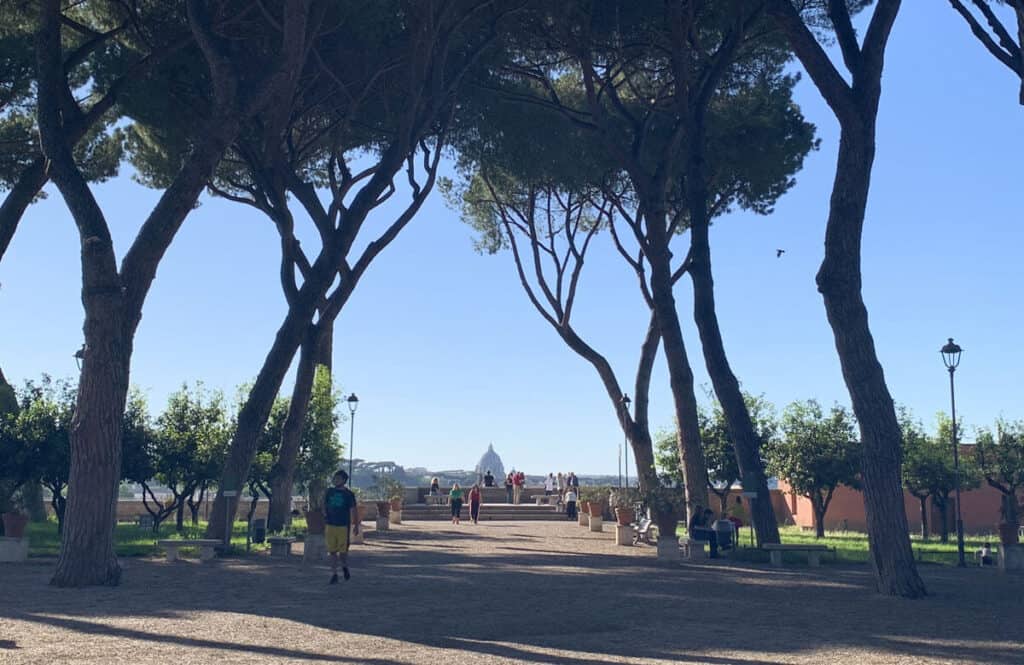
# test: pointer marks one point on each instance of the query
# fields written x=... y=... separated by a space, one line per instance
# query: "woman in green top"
x=455 y=501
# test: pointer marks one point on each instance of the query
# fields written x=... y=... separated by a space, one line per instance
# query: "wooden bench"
x=775 y=551
x=280 y=546
x=205 y=547
x=144 y=521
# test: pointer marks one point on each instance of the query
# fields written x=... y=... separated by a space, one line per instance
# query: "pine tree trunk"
x=746 y=441
x=253 y=416
x=839 y=281
x=18 y=200
x=691 y=453
x=87 y=547
x=283 y=472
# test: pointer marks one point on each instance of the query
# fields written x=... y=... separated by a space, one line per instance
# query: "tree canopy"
x=816 y=453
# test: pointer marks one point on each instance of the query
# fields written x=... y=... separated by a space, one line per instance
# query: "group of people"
x=515 y=481
x=458 y=496
x=701 y=525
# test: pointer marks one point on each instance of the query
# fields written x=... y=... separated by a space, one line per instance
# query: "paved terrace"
x=505 y=592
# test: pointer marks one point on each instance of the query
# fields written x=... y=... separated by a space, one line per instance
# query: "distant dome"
x=491 y=461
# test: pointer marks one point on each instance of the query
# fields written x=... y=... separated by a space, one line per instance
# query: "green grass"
x=852 y=547
x=131 y=541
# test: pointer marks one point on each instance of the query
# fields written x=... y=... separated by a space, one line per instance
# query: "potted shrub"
x=668 y=506
x=622 y=504
x=14 y=524
x=594 y=500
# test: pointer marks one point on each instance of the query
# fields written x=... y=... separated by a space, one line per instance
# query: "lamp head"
x=79 y=357
x=353 y=403
x=626 y=401
x=951 y=354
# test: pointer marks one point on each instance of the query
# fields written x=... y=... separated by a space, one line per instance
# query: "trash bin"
x=258 y=529
x=726 y=531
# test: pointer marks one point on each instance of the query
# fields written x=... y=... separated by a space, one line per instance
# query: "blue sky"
x=447 y=355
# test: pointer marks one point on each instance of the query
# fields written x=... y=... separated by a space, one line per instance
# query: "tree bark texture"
x=691 y=453
x=923 y=500
x=87 y=547
x=113 y=303
x=941 y=504
x=253 y=417
x=820 y=508
x=283 y=472
x=18 y=200
x=839 y=281
x=254 y=413
x=746 y=441
x=839 y=278
x=301 y=310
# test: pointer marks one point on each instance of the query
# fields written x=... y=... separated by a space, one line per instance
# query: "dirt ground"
x=505 y=592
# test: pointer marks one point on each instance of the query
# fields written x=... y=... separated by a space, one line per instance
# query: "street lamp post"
x=79 y=357
x=625 y=429
x=951 y=359
x=353 y=404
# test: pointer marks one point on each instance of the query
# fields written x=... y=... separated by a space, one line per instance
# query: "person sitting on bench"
x=985 y=555
x=699 y=530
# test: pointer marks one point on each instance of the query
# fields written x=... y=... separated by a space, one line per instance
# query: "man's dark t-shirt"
x=697 y=521
x=338 y=504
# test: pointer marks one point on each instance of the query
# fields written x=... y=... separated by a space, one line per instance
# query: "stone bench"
x=436 y=499
x=13 y=549
x=280 y=546
x=775 y=551
x=546 y=500
x=693 y=549
x=205 y=547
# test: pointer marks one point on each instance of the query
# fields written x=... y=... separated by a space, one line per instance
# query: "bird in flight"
x=779 y=252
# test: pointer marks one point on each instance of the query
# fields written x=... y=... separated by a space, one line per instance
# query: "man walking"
x=341 y=514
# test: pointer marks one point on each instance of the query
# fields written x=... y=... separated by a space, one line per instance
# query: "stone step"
x=496 y=511
x=486 y=517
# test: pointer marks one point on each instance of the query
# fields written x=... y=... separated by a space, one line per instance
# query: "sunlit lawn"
x=852 y=547
x=131 y=541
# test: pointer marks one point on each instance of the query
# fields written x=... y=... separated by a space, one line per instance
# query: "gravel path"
x=505 y=592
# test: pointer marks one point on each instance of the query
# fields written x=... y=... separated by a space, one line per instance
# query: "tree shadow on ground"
x=529 y=604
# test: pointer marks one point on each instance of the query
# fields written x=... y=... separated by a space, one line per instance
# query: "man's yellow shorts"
x=337 y=538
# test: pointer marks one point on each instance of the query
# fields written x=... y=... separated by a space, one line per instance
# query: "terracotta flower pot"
x=396 y=505
x=14 y=525
x=624 y=516
x=315 y=523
